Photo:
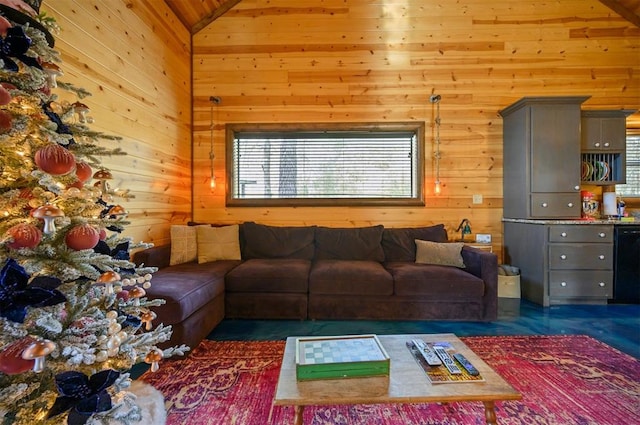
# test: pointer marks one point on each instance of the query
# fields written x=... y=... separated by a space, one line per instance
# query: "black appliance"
x=626 y=274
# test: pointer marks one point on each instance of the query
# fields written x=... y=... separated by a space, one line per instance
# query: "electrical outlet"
x=477 y=199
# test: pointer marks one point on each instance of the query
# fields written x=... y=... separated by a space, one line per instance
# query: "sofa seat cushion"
x=270 y=275
x=433 y=281
x=187 y=287
x=350 y=278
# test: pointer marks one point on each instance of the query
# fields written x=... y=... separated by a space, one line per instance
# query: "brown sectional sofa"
x=322 y=273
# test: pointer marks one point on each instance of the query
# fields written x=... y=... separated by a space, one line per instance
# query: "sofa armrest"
x=156 y=256
x=484 y=265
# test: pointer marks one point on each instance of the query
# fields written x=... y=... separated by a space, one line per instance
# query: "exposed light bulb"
x=212 y=183
x=437 y=188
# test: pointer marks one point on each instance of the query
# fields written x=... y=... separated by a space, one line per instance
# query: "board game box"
x=337 y=357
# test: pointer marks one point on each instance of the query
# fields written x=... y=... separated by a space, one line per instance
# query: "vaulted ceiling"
x=197 y=14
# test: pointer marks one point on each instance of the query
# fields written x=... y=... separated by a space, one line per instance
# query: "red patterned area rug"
x=563 y=379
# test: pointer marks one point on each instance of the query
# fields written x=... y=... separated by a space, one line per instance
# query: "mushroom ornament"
x=108 y=278
x=53 y=71
x=153 y=357
x=38 y=351
x=102 y=176
x=48 y=213
x=82 y=110
x=136 y=293
x=147 y=317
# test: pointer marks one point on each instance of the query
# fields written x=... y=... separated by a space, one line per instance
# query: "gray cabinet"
x=604 y=130
x=562 y=263
x=603 y=145
x=541 y=138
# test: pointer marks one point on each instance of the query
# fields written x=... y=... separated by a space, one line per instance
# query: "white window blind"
x=326 y=165
x=632 y=187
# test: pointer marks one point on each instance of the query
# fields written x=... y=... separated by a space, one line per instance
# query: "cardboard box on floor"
x=508 y=286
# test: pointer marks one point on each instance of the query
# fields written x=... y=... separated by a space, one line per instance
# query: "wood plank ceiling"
x=197 y=14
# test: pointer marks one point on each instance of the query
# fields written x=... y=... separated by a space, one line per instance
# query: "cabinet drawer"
x=555 y=205
x=581 y=256
x=581 y=233
x=581 y=284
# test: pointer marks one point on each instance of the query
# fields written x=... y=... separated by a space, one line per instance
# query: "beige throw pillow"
x=218 y=243
x=184 y=247
x=443 y=254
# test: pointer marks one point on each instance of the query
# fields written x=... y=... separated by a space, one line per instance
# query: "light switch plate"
x=477 y=199
x=483 y=238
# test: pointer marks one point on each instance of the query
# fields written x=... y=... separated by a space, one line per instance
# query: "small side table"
x=479 y=245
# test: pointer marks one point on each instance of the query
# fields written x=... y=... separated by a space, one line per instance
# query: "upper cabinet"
x=604 y=130
x=542 y=166
x=603 y=144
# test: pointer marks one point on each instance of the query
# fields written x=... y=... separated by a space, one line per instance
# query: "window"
x=325 y=164
x=632 y=188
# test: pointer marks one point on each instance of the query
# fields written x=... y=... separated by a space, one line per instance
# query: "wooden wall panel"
x=368 y=60
x=135 y=59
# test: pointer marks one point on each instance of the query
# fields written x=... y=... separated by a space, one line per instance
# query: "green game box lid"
x=337 y=357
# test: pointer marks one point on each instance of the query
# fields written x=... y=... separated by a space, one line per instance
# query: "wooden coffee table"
x=406 y=383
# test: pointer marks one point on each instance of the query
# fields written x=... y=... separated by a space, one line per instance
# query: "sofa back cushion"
x=359 y=243
x=399 y=243
x=262 y=241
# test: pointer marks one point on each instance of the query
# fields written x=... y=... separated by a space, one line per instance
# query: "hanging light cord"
x=214 y=101
x=435 y=101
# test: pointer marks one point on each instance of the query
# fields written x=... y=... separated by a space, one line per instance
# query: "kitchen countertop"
x=572 y=221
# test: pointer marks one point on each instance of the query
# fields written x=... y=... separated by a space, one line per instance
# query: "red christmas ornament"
x=11 y=361
x=6 y=121
x=83 y=171
x=123 y=295
x=24 y=236
x=54 y=159
x=4 y=26
x=5 y=96
x=77 y=184
x=82 y=236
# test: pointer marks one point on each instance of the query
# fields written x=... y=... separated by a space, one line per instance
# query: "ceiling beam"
x=622 y=10
x=210 y=17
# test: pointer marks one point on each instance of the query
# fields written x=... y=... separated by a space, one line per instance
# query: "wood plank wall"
x=135 y=59
x=380 y=60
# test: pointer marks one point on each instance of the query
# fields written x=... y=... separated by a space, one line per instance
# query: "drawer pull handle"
x=545 y=205
x=601 y=257
x=570 y=204
x=563 y=283
x=602 y=234
x=597 y=144
x=601 y=284
x=606 y=144
x=563 y=234
x=576 y=187
x=563 y=257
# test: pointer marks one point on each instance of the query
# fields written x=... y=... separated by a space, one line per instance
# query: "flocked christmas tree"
x=73 y=313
